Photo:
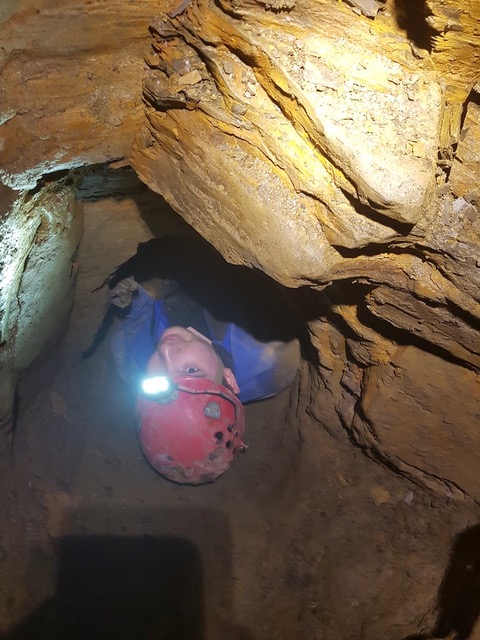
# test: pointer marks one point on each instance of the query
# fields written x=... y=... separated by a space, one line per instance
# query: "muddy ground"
x=305 y=537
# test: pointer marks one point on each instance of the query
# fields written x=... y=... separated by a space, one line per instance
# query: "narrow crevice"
x=373 y=214
x=411 y=16
x=405 y=338
x=372 y=250
x=473 y=98
x=349 y=293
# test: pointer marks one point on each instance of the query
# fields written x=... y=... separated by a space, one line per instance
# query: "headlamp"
x=163 y=389
x=159 y=388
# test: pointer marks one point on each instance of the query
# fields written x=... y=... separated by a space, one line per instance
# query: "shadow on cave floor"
x=303 y=537
x=138 y=587
x=114 y=587
x=459 y=594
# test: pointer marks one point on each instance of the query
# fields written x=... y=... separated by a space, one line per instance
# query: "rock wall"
x=337 y=147
x=333 y=145
x=71 y=85
x=40 y=236
x=70 y=96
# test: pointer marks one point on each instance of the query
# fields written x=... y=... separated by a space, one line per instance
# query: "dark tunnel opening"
x=177 y=258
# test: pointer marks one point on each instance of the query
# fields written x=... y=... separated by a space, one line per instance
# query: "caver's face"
x=186 y=353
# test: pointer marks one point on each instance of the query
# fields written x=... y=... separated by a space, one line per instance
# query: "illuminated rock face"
x=306 y=141
x=40 y=236
x=326 y=144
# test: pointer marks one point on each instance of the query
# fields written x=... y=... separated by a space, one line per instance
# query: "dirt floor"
x=305 y=537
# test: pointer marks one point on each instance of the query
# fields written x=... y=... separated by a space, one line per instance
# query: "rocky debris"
x=368 y=8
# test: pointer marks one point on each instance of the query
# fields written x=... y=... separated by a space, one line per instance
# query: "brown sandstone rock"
x=71 y=86
x=420 y=410
x=305 y=141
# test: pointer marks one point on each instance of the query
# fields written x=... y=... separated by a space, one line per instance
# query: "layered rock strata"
x=334 y=148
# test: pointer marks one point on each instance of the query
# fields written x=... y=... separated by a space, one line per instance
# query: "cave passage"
x=109 y=540
x=190 y=276
x=303 y=537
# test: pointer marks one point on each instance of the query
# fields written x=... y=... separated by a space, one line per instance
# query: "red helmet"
x=195 y=435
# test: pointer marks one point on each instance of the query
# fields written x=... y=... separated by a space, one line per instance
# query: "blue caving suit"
x=262 y=369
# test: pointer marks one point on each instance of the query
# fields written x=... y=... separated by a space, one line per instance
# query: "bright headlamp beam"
x=156 y=385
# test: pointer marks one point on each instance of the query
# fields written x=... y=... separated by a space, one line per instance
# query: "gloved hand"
x=122 y=292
